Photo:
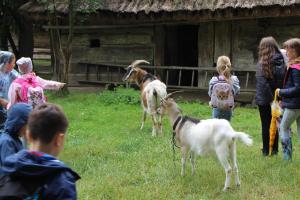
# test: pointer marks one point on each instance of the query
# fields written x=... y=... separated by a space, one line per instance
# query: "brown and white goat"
x=202 y=137
x=152 y=90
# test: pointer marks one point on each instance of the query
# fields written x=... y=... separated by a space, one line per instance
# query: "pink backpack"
x=222 y=95
x=31 y=92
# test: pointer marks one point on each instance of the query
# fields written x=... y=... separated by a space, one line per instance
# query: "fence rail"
x=104 y=75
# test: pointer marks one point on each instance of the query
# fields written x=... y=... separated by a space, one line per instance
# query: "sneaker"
x=287 y=156
x=287 y=150
x=264 y=153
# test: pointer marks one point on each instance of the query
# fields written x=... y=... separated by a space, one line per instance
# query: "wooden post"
x=205 y=49
x=159 y=47
x=222 y=39
x=179 y=78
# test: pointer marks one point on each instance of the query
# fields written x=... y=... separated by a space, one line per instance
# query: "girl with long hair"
x=269 y=76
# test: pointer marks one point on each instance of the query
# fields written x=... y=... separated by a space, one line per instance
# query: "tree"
x=62 y=55
x=10 y=18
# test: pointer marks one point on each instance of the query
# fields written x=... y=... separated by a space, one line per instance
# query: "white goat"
x=201 y=137
x=152 y=90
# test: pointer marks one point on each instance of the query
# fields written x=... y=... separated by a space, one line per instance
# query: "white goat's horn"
x=137 y=62
x=170 y=94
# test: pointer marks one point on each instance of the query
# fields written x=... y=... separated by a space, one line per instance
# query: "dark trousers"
x=2 y=117
x=265 y=118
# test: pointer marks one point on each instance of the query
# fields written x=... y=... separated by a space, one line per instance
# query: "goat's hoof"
x=225 y=189
x=238 y=185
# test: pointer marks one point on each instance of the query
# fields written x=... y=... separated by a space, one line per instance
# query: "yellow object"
x=276 y=112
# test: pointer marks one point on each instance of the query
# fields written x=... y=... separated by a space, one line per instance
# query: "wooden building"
x=182 y=39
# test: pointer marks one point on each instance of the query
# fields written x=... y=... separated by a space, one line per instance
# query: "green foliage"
x=116 y=160
x=120 y=95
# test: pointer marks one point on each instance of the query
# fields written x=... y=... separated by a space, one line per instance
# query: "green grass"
x=116 y=160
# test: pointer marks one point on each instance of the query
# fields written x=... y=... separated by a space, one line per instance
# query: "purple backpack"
x=222 y=95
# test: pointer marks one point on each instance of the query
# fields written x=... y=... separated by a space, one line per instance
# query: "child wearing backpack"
x=14 y=129
x=29 y=88
x=222 y=89
x=38 y=167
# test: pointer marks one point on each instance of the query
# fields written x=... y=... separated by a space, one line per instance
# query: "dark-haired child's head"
x=47 y=125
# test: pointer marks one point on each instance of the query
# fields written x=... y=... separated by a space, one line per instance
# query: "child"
x=47 y=127
x=222 y=89
x=269 y=76
x=15 y=127
x=7 y=75
x=28 y=88
x=290 y=96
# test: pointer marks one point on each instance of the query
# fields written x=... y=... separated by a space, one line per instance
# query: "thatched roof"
x=155 y=6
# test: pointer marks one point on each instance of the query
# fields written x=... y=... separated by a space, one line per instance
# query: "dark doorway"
x=182 y=50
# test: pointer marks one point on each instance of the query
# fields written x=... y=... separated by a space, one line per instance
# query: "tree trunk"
x=25 y=37
x=4 y=30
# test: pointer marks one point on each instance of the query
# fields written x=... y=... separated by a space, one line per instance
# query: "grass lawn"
x=116 y=160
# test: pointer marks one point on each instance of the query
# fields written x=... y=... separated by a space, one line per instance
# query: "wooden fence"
x=113 y=73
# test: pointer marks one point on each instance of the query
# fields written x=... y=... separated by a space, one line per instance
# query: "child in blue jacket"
x=15 y=127
x=47 y=127
x=290 y=94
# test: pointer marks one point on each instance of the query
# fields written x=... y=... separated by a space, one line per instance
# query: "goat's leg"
x=159 y=123
x=193 y=158
x=183 y=160
x=154 y=124
x=143 y=119
x=223 y=158
x=235 y=167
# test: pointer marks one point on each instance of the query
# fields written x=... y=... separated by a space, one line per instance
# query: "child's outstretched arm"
x=49 y=85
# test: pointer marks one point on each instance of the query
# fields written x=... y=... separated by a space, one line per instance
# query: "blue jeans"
x=221 y=114
x=289 y=116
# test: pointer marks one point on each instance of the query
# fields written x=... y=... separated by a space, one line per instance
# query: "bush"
x=120 y=95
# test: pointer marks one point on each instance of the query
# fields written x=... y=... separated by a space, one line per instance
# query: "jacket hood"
x=17 y=117
x=296 y=66
x=34 y=164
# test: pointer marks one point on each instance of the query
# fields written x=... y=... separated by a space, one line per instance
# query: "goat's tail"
x=245 y=138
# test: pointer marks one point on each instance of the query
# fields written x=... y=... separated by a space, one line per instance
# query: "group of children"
x=277 y=74
x=45 y=126
x=34 y=171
